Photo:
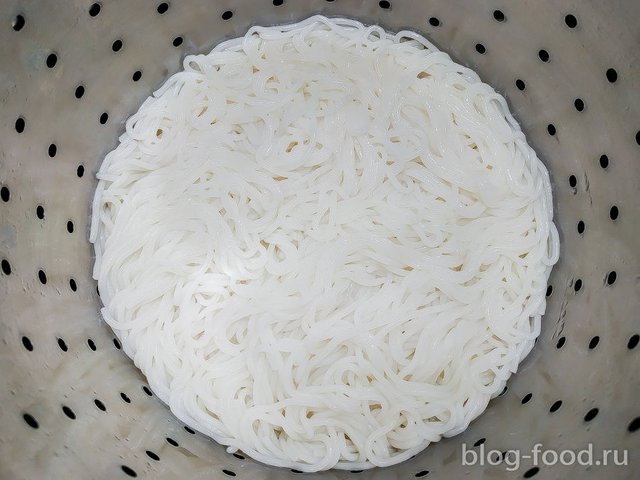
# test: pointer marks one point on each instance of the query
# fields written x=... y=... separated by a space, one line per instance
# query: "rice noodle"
x=324 y=244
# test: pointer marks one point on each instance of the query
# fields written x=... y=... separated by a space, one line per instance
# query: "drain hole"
x=162 y=8
x=614 y=212
x=526 y=398
x=498 y=15
x=556 y=406
x=544 y=55
x=52 y=59
x=32 y=422
x=604 y=161
x=6 y=267
x=227 y=15
x=26 y=342
x=520 y=84
x=577 y=285
x=571 y=21
x=591 y=414
x=18 y=23
x=94 y=9
x=560 y=343
x=68 y=412
x=20 y=124
x=593 y=343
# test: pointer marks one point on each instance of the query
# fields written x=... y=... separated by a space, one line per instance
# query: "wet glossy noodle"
x=324 y=244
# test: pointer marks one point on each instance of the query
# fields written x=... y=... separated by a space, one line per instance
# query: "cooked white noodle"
x=324 y=244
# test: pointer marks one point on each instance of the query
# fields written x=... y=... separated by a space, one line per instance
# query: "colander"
x=72 y=405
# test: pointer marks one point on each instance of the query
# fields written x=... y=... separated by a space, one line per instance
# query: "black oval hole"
x=94 y=9
x=100 y=405
x=42 y=277
x=137 y=75
x=384 y=4
x=577 y=285
x=40 y=212
x=18 y=23
x=580 y=227
x=531 y=472
x=62 y=345
x=6 y=267
x=612 y=75
x=227 y=15
x=32 y=422
x=480 y=49
x=498 y=15
x=5 y=194
x=614 y=212
x=551 y=129
x=277 y=3
x=152 y=455
x=103 y=118
x=52 y=150
x=634 y=425
x=237 y=455
x=20 y=124
x=434 y=22
x=125 y=397
x=229 y=473
x=171 y=441
x=573 y=181
x=638 y=137
x=68 y=412
x=593 y=343
x=189 y=430
x=604 y=161
x=549 y=290
x=177 y=41
x=92 y=344
x=129 y=471
x=591 y=414
x=162 y=8
x=116 y=46
x=633 y=341
x=560 y=343
x=556 y=406
x=422 y=473
x=146 y=390
x=80 y=171
x=544 y=55
x=526 y=398
x=520 y=84
x=52 y=59
x=79 y=91
x=70 y=226
x=571 y=21
x=116 y=343
x=479 y=442
x=611 y=277
x=72 y=285
x=579 y=104
x=26 y=342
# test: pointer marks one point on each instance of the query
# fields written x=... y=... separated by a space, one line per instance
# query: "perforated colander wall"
x=73 y=406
